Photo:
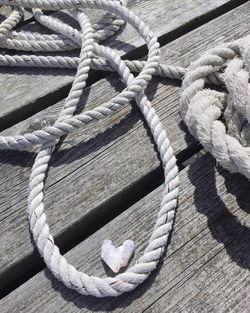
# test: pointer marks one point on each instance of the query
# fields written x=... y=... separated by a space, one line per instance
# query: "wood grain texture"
x=26 y=91
x=206 y=267
x=105 y=165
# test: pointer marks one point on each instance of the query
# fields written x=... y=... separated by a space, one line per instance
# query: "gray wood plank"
x=26 y=91
x=102 y=166
x=224 y=286
x=221 y=284
x=207 y=260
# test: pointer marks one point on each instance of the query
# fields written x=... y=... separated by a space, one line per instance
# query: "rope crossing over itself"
x=219 y=120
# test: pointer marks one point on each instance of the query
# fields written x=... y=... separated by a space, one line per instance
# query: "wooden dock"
x=106 y=181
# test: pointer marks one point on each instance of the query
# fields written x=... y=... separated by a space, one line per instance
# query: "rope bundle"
x=47 y=138
x=221 y=121
x=200 y=108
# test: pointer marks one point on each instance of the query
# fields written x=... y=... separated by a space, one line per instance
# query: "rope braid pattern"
x=201 y=110
x=218 y=120
x=11 y=21
x=47 y=138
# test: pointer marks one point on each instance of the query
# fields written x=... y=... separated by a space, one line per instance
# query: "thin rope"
x=219 y=120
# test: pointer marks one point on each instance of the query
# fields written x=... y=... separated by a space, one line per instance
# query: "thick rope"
x=99 y=287
x=218 y=120
x=205 y=112
x=11 y=22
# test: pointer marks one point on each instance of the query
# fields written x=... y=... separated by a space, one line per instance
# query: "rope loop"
x=93 y=54
x=218 y=119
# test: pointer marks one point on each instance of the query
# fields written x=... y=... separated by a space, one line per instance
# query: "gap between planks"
x=18 y=106
x=14 y=225
x=207 y=258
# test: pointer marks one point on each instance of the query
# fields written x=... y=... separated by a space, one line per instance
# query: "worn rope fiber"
x=219 y=120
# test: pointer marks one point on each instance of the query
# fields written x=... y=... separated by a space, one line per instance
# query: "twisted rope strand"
x=201 y=109
x=137 y=273
x=11 y=22
x=103 y=57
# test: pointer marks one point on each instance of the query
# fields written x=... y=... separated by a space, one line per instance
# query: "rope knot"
x=220 y=120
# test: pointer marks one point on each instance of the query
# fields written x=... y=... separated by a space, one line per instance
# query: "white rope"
x=220 y=121
x=84 y=284
x=11 y=21
x=200 y=108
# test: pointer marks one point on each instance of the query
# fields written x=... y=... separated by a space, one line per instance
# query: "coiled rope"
x=204 y=111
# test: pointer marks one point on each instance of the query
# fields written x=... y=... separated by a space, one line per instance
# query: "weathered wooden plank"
x=208 y=250
x=26 y=91
x=224 y=286
x=221 y=284
x=99 y=170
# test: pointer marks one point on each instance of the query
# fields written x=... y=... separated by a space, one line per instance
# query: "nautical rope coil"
x=219 y=120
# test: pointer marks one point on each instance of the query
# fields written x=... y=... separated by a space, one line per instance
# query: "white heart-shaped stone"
x=116 y=258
